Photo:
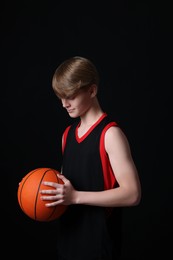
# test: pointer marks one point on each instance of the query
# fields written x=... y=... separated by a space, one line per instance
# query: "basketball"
x=29 y=197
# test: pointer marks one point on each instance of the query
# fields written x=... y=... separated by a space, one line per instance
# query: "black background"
x=131 y=45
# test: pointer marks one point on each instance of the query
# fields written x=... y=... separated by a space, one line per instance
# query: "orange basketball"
x=29 y=197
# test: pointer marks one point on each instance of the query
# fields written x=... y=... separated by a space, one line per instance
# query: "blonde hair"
x=73 y=75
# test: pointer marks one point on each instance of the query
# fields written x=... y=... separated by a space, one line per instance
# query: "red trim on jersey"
x=108 y=175
x=65 y=137
x=80 y=139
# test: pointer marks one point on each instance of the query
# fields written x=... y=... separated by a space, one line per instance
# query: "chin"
x=73 y=115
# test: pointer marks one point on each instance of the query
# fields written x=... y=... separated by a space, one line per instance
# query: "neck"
x=90 y=119
x=92 y=115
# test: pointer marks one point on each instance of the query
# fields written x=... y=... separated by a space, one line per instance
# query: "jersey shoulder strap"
x=65 y=137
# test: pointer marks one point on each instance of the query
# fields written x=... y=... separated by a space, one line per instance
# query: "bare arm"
x=129 y=190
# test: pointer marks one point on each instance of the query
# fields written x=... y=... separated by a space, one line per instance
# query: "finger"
x=51 y=192
x=52 y=204
x=52 y=198
x=51 y=184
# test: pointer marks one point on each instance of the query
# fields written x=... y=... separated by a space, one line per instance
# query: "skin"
x=86 y=106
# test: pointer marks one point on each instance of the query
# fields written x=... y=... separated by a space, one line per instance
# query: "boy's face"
x=79 y=104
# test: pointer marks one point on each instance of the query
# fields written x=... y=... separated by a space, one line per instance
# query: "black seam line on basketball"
x=56 y=175
x=22 y=189
x=36 y=199
x=55 y=207
x=59 y=206
x=35 y=213
x=51 y=217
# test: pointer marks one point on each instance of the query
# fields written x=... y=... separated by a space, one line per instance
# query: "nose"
x=65 y=102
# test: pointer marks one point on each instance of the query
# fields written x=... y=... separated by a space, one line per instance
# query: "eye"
x=71 y=97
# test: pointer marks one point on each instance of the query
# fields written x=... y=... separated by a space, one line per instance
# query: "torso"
x=84 y=226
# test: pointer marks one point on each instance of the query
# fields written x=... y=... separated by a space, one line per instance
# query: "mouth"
x=70 y=111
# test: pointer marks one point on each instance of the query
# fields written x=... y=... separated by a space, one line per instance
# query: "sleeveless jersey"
x=85 y=232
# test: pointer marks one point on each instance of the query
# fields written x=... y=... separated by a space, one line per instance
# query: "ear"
x=93 y=90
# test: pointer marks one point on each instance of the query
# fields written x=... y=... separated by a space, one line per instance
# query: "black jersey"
x=84 y=231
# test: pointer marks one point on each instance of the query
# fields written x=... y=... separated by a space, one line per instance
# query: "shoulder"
x=115 y=139
x=114 y=130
